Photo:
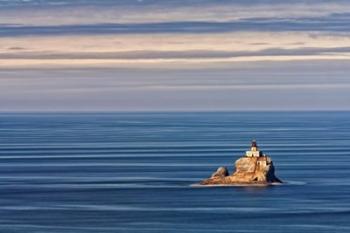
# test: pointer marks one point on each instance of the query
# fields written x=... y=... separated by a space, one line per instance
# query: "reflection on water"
x=134 y=172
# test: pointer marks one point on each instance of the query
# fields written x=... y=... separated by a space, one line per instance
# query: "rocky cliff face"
x=249 y=170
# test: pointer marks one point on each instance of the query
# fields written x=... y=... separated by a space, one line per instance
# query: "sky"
x=174 y=55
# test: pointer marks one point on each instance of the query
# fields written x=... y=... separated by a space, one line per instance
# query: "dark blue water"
x=132 y=172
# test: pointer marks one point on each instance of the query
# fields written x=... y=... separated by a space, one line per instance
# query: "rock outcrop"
x=221 y=172
x=257 y=169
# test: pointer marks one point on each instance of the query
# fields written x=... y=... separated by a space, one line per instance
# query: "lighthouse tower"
x=254 y=150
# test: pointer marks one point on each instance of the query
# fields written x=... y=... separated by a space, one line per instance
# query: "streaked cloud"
x=51 y=13
x=219 y=49
x=254 y=86
x=128 y=33
x=126 y=55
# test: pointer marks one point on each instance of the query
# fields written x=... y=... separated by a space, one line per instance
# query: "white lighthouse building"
x=254 y=150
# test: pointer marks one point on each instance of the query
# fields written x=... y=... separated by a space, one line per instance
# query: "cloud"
x=90 y=55
x=147 y=12
x=338 y=23
x=215 y=50
x=265 y=86
x=189 y=54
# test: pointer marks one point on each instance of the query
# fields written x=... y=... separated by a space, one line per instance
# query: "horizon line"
x=175 y=111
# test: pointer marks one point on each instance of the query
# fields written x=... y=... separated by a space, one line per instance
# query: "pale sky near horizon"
x=163 y=55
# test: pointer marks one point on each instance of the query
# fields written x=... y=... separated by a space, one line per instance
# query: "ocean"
x=132 y=172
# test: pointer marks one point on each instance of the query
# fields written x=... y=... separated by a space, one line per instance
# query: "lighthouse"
x=254 y=150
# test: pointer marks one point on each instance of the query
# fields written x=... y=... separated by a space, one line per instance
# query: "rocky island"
x=255 y=168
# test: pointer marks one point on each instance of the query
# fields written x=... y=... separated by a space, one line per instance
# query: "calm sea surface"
x=100 y=173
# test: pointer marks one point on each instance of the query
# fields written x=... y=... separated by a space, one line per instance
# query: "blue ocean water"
x=132 y=172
